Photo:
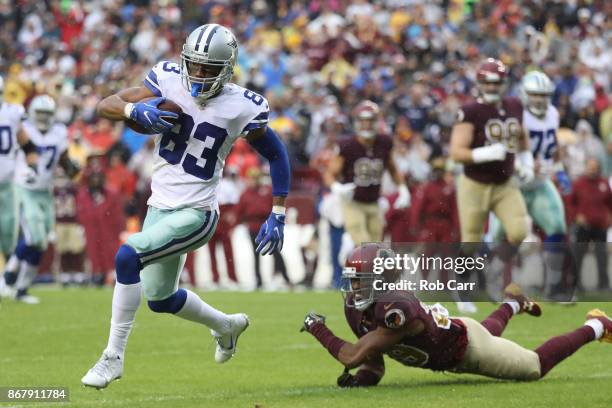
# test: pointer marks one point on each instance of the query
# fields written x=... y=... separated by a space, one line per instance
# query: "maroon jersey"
x=440 y=346
x=65 y=202
x=493 y=124
x=364 y=166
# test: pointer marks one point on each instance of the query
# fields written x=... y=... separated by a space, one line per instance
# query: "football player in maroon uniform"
x=487 y=136
x=355 y=174
x=398 y=325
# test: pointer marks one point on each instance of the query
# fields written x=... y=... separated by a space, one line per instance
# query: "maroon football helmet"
x=366 y=116
x=362 y=267
x=491 y=77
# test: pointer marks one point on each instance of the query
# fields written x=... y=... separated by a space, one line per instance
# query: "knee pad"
x=171 y=304
x=127 y=265
x=518 y=232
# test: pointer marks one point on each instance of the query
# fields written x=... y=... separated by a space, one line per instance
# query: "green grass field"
x=169 y=362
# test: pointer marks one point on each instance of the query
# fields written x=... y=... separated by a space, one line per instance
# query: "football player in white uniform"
x=12 y=136
x=541 y=122
x=183 y=209
x=36 y=192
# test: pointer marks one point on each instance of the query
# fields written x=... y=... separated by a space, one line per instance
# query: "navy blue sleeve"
x=272 y=148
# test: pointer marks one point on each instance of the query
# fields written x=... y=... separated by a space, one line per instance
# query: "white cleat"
x=108 y=368
x=466 y=307
x=226 y=343
x=28 y=299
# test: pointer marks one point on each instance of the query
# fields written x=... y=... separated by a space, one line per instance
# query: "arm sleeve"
x=151 y=81
x=272 y=148
x=259 y=118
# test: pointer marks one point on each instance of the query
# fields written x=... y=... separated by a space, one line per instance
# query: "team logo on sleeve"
x=395 y=318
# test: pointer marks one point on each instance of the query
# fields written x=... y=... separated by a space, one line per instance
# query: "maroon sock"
x=561 y=347
x=497 y=321
x=327 y=339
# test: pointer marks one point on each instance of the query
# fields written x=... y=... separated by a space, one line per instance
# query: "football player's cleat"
x=600 y=315
x=466 y=307
x=28 y=299
x=6 y=291
x=108 y=368
x=514 y=292
x=226 y=343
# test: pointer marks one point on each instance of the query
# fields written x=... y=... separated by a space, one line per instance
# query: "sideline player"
x=183 y=209
x=398 y=325
x=487 y=136
x=37 y=203
x=544 y=204
x=359 y=165
x=12 y=137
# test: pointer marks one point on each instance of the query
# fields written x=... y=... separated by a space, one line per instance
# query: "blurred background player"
x=544 y=204
x=359 y=165
x=487 y=136
x=183 y=208
x=36 y=195
x=12 y=136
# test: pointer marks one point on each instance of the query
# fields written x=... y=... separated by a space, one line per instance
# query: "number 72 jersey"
x=543 y=137
x=190 y=156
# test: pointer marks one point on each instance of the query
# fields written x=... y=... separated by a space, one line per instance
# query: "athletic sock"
x=561 y=347
x=196 y=310
x=27 y=273
x=126 y=299
x=497 y=321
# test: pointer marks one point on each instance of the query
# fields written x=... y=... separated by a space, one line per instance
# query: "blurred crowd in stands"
x=314 y=61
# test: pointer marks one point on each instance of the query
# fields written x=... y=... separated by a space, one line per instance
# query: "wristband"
x=127 y=110
x=278 y=209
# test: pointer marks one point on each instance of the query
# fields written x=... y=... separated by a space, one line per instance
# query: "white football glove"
x=403 y=199
x=494 y=152
x=31 y=175
x=345 y=191
x=524 y=167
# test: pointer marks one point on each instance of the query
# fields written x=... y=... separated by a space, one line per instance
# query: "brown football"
x=167 y=105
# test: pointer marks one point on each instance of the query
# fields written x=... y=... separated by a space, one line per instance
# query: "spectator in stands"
x=253 y=209
x=100 y=211
x=592 y=202
x=228 y=195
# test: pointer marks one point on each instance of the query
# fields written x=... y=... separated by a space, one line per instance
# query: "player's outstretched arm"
x=268 y=144
x=349 y=354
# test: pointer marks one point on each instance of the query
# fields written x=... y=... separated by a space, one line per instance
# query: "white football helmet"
x=210 y=48
x=42 y=112
x=535 y=91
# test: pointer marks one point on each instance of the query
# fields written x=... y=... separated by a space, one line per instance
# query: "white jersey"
x=543 y=139
x=50 y=147
x=190 y=158
x=11 y=117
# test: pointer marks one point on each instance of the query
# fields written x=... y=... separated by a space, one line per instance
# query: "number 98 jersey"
x=191 y=156
x=11 y=116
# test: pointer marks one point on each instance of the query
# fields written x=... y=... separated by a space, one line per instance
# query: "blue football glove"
x=271 y=235
x=147 y=115
x=564 y=182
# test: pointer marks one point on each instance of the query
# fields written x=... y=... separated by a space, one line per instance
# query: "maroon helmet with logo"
x=363 y=266
x=491 y=77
